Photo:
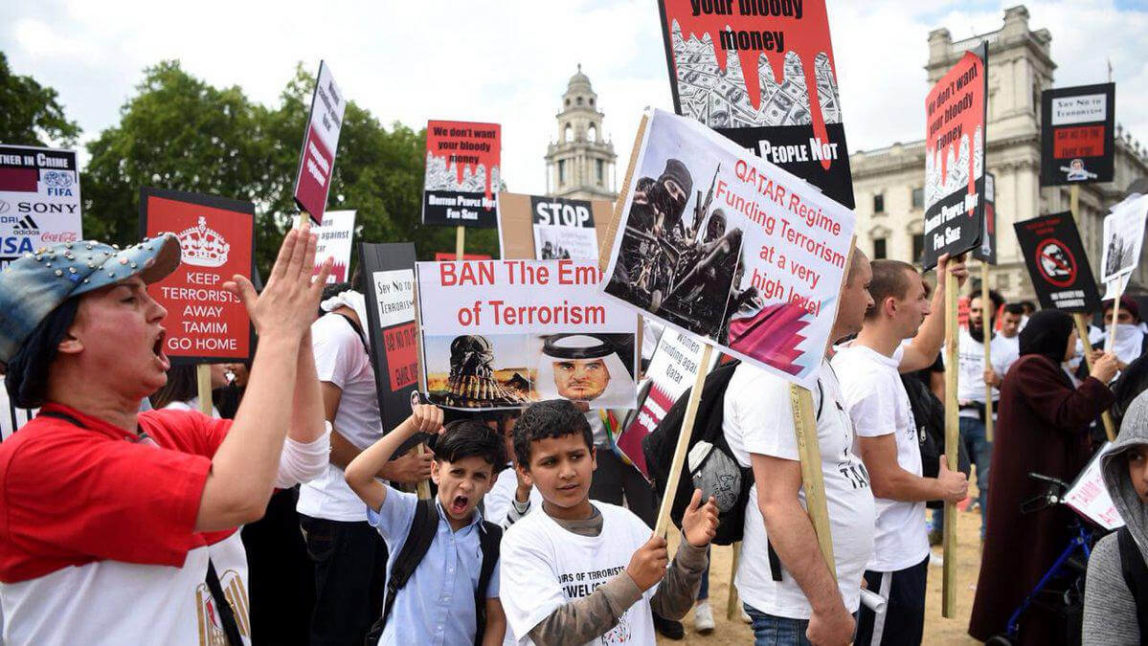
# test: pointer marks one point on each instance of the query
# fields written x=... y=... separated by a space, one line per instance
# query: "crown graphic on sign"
x=202 y=246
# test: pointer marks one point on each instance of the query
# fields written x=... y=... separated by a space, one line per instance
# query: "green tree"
x=180 y=133
x=379 y=173
x=177 y=133
x=31 y=114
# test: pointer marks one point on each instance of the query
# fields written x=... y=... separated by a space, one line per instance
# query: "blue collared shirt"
x=437 y=604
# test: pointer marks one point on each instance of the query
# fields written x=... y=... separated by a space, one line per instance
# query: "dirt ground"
x=938 y=630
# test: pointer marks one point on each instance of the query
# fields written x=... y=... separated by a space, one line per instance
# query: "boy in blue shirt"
x=440 y=602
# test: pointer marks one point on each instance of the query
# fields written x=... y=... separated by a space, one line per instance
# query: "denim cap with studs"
x=35 y=285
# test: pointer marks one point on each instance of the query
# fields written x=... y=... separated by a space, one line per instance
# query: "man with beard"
x=971 y=386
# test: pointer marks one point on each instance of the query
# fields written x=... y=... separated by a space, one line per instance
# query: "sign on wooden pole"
x=952 y=437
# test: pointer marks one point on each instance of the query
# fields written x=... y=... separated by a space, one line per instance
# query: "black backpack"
x=726 y=480
x=419 y=540
x=929 y=416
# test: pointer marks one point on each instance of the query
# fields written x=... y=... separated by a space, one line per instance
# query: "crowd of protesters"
x=287 y=515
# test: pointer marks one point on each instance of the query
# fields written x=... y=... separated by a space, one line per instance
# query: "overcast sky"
x=508 y=61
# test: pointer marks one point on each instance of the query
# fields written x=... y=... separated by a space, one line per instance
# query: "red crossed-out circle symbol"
x=1056 y=263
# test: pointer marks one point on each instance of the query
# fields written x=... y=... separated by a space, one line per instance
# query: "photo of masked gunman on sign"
x=587 y=369
x=683 y=271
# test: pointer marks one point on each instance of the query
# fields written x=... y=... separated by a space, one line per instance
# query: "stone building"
x=889 y=183
x=581 y=163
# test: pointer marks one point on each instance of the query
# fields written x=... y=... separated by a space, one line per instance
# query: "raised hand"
x=426 y=418
x=699 y=522
x=648 y=564
x=290 y=298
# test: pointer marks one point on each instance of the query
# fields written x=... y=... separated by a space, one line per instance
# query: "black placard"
x=388 y=278
x=987 y=250
x=1077 y=134
x=956 y=109
x=1057 y=263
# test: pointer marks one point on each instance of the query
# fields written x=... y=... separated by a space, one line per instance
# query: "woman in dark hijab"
x=1042 y=427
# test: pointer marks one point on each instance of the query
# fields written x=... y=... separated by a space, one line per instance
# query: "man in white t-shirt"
x=888 y=442
x=349 y=555
x=1008 y=337
x=793 y=597
x=971 y=380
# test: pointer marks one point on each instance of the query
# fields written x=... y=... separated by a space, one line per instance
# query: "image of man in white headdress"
x=586 y=368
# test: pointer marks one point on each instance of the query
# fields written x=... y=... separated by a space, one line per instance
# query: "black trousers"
x=350 y=572
x=280 y=575
x=903 y=621
x=615 y=480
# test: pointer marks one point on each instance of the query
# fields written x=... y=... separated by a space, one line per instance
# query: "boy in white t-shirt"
x=578 y=571
x=888 y=443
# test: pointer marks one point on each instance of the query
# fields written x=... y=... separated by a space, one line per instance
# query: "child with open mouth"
x=442 y=565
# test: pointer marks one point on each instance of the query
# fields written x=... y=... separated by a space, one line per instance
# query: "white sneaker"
x=704 y=618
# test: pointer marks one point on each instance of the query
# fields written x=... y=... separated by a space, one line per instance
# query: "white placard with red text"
x=320 y=142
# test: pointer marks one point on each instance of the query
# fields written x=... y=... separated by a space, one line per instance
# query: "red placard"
x=1082 y=141
x=441 y=256
x=401 y=344
x=216 y=235
x=320 y=141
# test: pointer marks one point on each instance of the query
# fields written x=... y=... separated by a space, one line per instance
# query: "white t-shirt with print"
x=971 y=368
x=758 y=419
x=878 y=405
x=342 y=360
x=545 y=566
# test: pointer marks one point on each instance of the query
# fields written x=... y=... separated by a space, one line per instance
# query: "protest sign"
x=320 y=142
x=388 y=273
x=1123 y=238
x=754 y=266
x=1077 y=134
x=550 y=228
x=777 y=96
x=335 y=236
x=987 y=251
x=505 y=333
x=445 y=255
x=955 y=158
x=39 y=199
x=1057 y=263
x=217 y=241
x=672 y=369
x=462 y=174
x=1089 y=497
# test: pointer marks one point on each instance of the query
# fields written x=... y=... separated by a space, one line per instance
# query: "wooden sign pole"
x=952 y=437
x=1115 y=315
x=812 y=480
x=1082 y=324
x=731 y=599
x=203 y=386
x=986 y=322
x=679 y=459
